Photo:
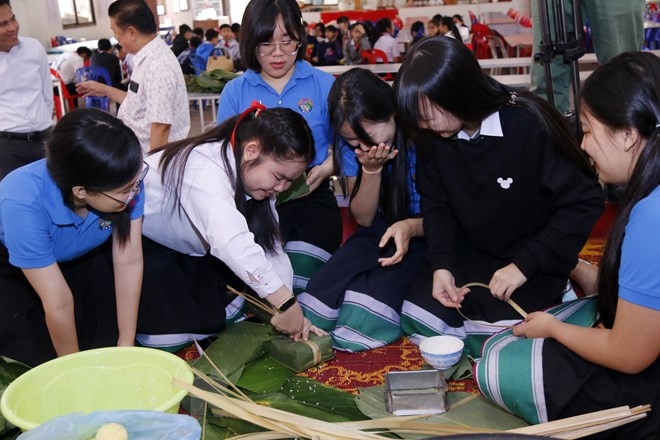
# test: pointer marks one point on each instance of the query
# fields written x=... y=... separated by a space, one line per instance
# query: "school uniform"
x=194 y=248
x=311 y=226
x=37 y=229
x=507 y=195
x=562 y=384
x=352 y=296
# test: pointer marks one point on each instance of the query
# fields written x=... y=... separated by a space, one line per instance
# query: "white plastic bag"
x=141 y=425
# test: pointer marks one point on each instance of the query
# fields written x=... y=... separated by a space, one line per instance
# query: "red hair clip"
x=256 y=107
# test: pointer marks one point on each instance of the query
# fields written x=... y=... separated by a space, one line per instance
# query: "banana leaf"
x=280 y=401
x=469 y=409
x=222 y=74
x=264 y=375
x=236 y=346
x=312 y=393
x=297 y=189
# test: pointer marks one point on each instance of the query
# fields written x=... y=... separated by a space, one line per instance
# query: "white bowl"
x=442 y=352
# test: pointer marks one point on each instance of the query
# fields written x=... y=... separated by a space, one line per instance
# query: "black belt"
x=32 y=136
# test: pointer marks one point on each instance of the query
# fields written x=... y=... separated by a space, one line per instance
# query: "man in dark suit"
x=105 y=58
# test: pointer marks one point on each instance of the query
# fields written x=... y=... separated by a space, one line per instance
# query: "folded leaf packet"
x=301 y=355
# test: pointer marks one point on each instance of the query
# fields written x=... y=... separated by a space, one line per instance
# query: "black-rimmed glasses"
x=135 y=189
x=288 y=47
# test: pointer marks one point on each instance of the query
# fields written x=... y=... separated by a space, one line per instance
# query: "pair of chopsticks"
x=258 y=304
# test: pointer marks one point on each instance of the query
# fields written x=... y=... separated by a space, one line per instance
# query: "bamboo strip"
x=509 y=301
x=251 y=300
x=576 y=422
x=584 y=432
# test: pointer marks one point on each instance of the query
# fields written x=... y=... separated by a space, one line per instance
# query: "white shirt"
x=26 y=88
x=465 y=34
x=389 y=45
x=67 y=64
x=157 y=94
x=209 y=221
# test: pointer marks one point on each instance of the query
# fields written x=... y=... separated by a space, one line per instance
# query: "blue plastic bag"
x=141 y=425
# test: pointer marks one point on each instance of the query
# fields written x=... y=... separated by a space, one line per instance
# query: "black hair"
x=225 y=26
x=5 y=2
x=446 y=72
x=199 y=32
x=104 y=44
x=195 y=42
x=437 y=18
x=84 y=50
x=134 y=13
x=211 y=34
x=259 y=23
x=382 y=26
x=281 y=133
x=417 y=31
x=458 y=17
x=93 y=149
x=184 y=28
x=356 y=96
x=449 y=23
x=235 y=27
x=343 y=19
x=331 y=28
x=625 y=94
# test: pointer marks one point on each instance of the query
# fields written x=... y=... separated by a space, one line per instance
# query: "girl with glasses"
x=278 y=76
x=508 y=198
x=357 y=294
x=210 y=222
x=71 y=255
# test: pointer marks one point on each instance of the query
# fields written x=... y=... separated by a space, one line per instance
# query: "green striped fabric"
x=510 y=373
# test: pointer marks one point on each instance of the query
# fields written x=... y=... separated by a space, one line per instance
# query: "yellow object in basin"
x=102 y=379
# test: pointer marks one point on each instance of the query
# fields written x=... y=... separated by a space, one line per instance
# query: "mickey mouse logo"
x=505 y=183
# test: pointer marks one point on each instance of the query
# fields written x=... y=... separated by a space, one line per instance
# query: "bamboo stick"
x=251 y=300
x=578 y=422
x=509 y=301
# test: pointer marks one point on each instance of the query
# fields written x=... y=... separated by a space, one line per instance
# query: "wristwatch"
x=286 y=304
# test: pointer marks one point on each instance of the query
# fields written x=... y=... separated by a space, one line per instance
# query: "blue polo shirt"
x=36 y=226
x=639 y=283
x=306 y=93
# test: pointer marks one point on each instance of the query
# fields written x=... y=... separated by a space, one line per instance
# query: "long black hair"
x=259 y=23
x=359 y=96
x=624 y=94
x=95 y=150
x=446 y=72
x=281 y=133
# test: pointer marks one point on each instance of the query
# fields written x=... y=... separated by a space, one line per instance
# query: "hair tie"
x=512 y=98
x=255 y=107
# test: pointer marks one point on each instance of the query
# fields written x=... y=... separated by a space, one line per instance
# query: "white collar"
x=490 y=126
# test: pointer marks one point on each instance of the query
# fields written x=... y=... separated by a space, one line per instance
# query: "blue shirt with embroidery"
x=306 y=93
x=36 y=226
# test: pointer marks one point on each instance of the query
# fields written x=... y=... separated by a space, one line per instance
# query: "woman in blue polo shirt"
x=272 y=49
x=58 y=269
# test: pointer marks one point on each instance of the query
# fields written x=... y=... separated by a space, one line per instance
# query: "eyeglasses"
x=135 y=189
x=288 y=47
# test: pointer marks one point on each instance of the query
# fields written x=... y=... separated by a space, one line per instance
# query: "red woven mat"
x=350 y=371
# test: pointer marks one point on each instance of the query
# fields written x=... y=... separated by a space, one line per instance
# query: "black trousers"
x=24 y=335
x=15 y=153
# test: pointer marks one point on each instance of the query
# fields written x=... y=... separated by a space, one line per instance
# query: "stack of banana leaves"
x=209 y=82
